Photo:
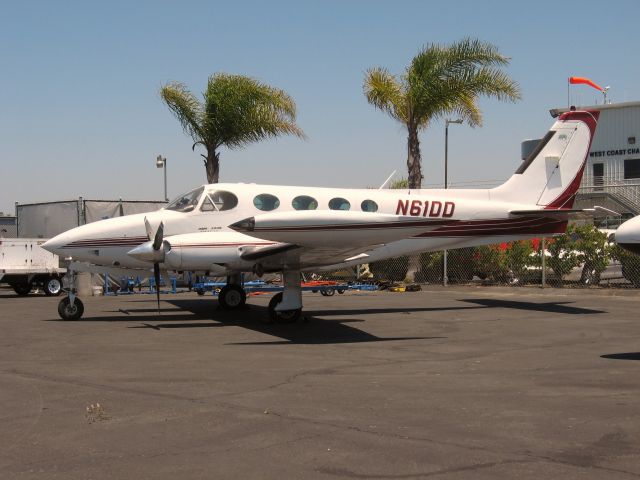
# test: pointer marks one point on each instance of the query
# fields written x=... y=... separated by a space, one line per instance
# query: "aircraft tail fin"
x=551 y=175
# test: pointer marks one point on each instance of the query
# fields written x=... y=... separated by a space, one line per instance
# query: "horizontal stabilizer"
x=550 y=212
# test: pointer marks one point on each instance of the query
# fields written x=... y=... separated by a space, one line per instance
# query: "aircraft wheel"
x=22 y=288
x=286 y=316
x=68 y=311
x=232 y=296
x=52 y=287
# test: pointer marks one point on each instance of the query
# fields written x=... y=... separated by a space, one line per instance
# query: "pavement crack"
x=343 y=472
x=84 y=383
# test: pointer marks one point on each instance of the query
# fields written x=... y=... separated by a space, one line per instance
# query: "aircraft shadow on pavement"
x=373 y=311
x=308 y=330
x=192 y=313
x=622 y=356
x=549 y=307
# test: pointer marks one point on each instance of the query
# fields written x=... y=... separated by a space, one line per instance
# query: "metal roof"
x=609 y=106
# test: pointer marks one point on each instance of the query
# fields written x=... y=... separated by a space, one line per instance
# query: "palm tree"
x=441 y=80
x=236 y=111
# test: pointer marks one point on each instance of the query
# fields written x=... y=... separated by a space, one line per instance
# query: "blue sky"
x=80 y=113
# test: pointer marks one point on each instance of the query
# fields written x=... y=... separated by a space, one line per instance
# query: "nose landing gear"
x=69 y=310
x=70 y=307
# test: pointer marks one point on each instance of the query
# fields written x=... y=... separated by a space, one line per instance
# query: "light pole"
x=161 y=162
x=445 y=277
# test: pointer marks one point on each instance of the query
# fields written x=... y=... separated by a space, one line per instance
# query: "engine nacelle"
x=200 y=256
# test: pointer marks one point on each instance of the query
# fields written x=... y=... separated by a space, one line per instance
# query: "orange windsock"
x=586 y=81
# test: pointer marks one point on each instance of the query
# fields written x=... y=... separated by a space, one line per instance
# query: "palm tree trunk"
x=414 y=160
x=414 y=169
x=212 y=166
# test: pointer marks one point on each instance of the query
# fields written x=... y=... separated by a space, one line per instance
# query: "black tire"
x=340 y=291
x=68 y=311
x=52 y=286
x=329 y=292
x=232 y=296
x=200 y=292
x=287 y=316
x=22 y=289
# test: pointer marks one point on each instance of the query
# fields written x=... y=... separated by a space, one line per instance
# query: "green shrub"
x=430 y=267
x=489 y=263
x=630 y=264
x=563 y=255
x=460 y=264
x=594 y=252
x=391 y=269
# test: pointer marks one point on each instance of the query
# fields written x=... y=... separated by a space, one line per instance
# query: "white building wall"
x=611 y=146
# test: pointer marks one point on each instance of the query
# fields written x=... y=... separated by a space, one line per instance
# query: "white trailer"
x=24 y=264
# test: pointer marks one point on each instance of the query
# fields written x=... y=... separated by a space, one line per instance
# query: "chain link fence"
x=582 y=257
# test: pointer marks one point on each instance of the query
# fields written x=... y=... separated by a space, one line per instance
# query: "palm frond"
x=444 y=80
x=240 y=110
x=386 y=93
x=185 y=106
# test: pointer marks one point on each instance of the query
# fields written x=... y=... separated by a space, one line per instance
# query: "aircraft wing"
x=328 y=237
x=257 y=253
x=336 y=228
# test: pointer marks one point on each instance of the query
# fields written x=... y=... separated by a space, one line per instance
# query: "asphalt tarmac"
x=457 y=383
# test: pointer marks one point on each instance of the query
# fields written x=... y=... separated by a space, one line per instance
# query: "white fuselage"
x=472 y=216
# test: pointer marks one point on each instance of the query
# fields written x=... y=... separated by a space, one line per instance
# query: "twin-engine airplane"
x=227 y=229
x=628 y=235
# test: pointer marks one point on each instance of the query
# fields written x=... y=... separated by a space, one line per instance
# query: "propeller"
x=157 y=245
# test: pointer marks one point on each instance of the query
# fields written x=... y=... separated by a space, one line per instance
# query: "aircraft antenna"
x=387 y=180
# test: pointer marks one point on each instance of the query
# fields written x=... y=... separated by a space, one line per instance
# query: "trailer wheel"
x=328 y=292
x=68 y=311
x=52 y=287
x=22 y=288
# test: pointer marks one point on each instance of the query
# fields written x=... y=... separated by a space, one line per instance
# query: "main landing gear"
x=71 y=307
x=282 y=316
x=284 y=307
x=232 y=296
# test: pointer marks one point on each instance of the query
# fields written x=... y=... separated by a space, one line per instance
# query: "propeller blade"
x=147 y=227
x=156 y=276
x=157 y=240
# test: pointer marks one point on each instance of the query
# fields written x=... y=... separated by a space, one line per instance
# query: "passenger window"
x=219 y=201
x=339 y=204
x=369 y=206
x=266 y=202
x=304 y=202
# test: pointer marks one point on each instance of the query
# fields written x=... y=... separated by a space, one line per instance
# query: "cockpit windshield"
x=186 y=202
